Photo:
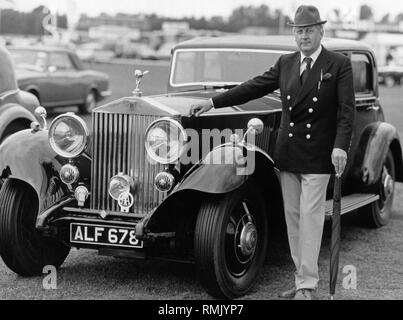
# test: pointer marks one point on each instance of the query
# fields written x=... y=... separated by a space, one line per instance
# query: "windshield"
x=220 y=67
x=31 y=60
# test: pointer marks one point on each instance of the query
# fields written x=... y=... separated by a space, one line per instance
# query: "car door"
x=366 y=97
x=66 y=84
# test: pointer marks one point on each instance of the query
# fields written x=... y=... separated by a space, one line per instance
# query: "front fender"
x=209 y=177
x=28 y=157
x=225 y=169
x=375 y=142
x=11 y=112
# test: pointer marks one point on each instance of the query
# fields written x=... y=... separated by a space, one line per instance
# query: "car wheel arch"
x=374 y=143
x=33 y=89
x=35 y=92
x=26 y=184
x=396 y=150
x=14 y=113
x=15 y=126
x=93 y=88
x=265 y=175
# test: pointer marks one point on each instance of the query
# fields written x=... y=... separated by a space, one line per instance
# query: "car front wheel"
x=23 y=249
x=90 y=103
x=230 y=242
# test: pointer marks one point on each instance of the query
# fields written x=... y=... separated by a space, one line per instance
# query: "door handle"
x=372 y=108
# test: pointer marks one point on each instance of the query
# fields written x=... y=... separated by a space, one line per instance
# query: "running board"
x=350 y=203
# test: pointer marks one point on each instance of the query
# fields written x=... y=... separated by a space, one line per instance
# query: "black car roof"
x=286 y=43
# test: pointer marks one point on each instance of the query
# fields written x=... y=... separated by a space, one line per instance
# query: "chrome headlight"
x=68 y=135
x=165 y=140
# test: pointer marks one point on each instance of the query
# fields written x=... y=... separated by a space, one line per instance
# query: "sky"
x=199 y=8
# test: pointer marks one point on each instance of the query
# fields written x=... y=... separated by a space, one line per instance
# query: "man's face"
x=308 y=38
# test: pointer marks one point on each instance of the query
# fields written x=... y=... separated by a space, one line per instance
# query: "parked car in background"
x=16 y=106
x=57 y=77
x=165 y=51
x=95 y=52
x=134 y=49
x=391 y=75
x=160 y=184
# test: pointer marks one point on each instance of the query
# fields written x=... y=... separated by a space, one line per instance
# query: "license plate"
x=104 y=235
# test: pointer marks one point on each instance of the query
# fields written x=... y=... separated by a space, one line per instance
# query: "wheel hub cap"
x=248 y=239
x=388 y=186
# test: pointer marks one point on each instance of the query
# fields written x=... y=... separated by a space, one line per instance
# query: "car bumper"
x=105 y=94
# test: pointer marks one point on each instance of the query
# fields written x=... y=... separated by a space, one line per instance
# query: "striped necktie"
x=307 y=70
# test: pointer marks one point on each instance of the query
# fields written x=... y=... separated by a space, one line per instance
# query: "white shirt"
x=314 y=56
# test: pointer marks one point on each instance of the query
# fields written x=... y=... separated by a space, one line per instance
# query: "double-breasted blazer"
x=317 y=116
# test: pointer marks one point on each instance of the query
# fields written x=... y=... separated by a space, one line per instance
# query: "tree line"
x=14 y=22
x=27 y=23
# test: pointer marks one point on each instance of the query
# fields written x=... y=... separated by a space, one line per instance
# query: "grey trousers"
x=304 y=206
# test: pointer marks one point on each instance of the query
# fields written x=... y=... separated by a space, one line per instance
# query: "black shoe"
x=304 y=294
x=289 y=294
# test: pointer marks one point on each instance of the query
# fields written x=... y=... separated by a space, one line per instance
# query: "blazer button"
x=309 y=126
x=315 y=99
x=310 y=110
x=292 y=124
x=308 y=136
x=290 y=108
x=290 y=135
x=288 y=97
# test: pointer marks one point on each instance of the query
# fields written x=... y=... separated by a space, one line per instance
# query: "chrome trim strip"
x=262 y=112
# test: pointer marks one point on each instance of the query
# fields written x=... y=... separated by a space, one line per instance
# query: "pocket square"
x=327 y=77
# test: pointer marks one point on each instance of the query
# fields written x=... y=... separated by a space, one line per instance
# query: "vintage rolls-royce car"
x=16 y=106
x=156 y=183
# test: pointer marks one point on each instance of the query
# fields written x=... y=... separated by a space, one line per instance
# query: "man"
x=314 y=138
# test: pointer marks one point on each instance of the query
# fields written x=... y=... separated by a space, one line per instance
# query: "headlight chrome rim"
x=55 y=147
x=181 y=131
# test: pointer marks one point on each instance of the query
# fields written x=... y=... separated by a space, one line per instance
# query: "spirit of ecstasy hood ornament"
x=139 y=76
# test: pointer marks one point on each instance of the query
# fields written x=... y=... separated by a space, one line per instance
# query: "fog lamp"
x=164 y=181
x=119 y=185
x=69 y=174
x=81 y=195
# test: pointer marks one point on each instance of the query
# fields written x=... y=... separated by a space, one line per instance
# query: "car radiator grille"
x=118 y=146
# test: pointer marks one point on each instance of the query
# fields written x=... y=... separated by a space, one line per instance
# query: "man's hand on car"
x=200 y=108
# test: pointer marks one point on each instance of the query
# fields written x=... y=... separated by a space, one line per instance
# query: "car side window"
x=362 y=72
x=61 y=61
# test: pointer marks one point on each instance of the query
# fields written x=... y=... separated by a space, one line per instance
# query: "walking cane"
x=335 y=240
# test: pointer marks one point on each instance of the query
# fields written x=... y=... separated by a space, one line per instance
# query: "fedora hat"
x=307 y=16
